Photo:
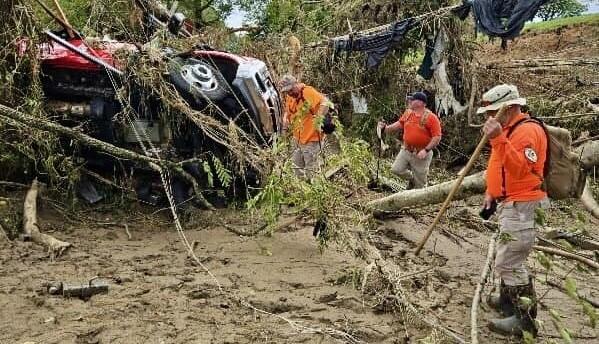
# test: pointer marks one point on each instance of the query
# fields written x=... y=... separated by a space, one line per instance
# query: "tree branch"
x=476 y=298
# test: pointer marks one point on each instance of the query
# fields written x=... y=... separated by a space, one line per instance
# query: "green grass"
x=588 y=19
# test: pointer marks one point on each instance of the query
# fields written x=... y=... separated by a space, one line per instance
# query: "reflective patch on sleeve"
x=531 y=155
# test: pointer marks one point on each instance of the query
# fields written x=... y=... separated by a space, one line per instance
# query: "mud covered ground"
x=157 y=295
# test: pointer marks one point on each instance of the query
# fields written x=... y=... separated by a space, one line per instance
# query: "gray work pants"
x=516 y=239
x=408 y=166
x=306 y=159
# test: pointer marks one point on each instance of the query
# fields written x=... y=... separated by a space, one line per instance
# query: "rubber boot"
x=502 y=303
x=410 y=185
x=524 y=315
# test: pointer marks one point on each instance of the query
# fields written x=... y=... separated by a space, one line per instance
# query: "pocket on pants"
x=520 y=241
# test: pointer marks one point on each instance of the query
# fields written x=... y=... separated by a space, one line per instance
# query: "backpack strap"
x=542 y=125
x=424 y=117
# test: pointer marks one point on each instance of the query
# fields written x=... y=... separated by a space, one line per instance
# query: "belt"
x=413 y=150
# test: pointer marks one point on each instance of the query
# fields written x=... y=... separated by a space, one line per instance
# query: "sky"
x=235 y=19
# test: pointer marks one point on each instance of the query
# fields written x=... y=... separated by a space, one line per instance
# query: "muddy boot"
x=524 y=315
x=502 y=303
x=410 y=185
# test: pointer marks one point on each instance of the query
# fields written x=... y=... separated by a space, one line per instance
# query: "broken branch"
x=55 y=247
x=476 y=299
x=568 y=255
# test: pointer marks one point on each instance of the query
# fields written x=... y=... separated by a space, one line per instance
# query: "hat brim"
x=497 y=106
x=286 y=88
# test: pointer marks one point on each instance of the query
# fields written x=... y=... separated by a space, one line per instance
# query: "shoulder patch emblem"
x=530 y=154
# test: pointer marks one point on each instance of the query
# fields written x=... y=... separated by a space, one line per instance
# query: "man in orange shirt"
x=514 y=178
x=304 y=105
x=421 y=134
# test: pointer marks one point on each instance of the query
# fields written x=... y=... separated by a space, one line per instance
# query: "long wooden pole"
x=456 y=186
x=58 y=18
x=64 y=18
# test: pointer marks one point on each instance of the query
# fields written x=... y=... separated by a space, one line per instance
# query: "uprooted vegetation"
x=253 y=272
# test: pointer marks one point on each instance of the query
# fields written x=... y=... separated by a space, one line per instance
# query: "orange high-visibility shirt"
x=301 y=112
x=515 y=169
x=417 y=135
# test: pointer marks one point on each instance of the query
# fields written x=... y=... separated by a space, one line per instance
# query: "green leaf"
x=544 y=260
x=590 y=311
x=571 y=288
x=209 y=175
x=554 y=314
x=525 y=301
x=224 y=176
x=565 y=335
x=528 y=338
x=540 y=216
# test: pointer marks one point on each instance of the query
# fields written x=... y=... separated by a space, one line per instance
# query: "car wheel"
x=198 y=80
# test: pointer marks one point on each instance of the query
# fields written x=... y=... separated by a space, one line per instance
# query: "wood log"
x=55 y=247
x=589 y=201
x=589 y=153
x=473 y=184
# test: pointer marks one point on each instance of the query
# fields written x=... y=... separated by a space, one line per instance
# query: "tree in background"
x=561 y=8
x=205 y=12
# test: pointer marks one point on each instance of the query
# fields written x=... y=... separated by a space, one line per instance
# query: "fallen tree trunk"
x=55 y=247
x=473 y=184
x=589 y=201
x=19 y=119
x=589 y=153
x=589 y=156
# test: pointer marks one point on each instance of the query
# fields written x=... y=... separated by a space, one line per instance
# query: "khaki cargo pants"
x=408 y=166
x=306 y=159
x=516 y=238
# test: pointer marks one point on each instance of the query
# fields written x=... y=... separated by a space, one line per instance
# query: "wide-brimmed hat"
x=499 y=96
x=287 y=82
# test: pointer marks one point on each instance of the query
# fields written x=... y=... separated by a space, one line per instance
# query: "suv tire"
x=198 y=81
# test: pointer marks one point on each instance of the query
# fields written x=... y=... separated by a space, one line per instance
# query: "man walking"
x=514 y=177
x=421 y=134
x=304 y=104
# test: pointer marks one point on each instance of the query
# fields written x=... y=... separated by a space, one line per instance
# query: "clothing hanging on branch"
x=500 y=18
x=433 y=55
x=445 y=102
x=376 y=44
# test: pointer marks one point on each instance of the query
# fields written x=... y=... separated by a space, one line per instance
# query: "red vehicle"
x=80 y=82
